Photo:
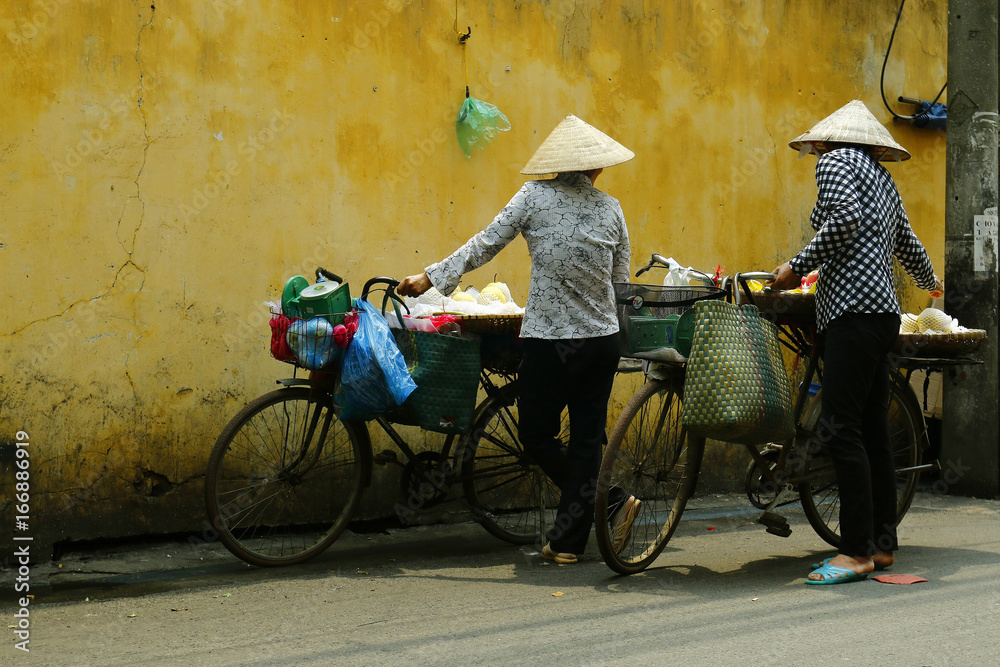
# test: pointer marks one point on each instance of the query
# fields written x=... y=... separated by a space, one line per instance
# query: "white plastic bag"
x=677 y=275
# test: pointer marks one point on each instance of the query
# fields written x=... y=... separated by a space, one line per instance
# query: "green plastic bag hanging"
x=478 y=123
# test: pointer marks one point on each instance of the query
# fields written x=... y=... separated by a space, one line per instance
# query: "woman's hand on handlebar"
x=414 y=285
x=786 y=278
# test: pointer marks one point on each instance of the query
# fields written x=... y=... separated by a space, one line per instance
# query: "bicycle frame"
x=800 y=337
x=637 y=450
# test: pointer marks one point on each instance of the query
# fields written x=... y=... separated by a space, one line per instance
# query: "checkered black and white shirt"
x=861 y=225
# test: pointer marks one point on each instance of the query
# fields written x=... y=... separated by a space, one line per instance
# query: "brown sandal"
x=561 y=559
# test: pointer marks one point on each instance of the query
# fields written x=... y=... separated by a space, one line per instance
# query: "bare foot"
x=884 y=559
x=858 y=565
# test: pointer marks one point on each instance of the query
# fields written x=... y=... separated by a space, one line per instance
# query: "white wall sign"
x=985 y=242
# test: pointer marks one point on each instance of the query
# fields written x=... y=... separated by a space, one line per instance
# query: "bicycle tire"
x=908 y=438
x=652 y=457
x=510 y=496
x=274 y=497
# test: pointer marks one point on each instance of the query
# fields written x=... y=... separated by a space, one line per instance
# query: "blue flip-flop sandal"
x=878 y=568
x=835 y=575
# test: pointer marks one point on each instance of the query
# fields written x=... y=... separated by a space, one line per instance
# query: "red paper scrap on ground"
x=898 y=578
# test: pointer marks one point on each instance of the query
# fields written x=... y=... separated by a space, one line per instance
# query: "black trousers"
x=855 y=425
x=578 y=375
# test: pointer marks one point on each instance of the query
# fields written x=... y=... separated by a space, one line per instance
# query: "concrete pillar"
x=970 y=452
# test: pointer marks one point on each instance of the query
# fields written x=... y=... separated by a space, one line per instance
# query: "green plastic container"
x=290 y=295
x=646 y=334
x=324 y=299
x=300 y=299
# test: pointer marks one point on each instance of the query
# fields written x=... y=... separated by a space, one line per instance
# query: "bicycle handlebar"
x=656 y=260
x=390 y=292
x=390 y=283
x=756 y=275
x=323 y=273
x=659 y=261
x=741 y=281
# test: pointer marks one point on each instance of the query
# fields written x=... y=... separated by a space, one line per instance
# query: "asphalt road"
x=724 y=592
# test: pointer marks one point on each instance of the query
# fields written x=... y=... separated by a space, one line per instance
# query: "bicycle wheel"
x=820 y=495
x=284 y=478
x=653 y=458
x=510 y=496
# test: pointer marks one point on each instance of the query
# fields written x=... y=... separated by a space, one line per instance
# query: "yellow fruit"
x=908 y=323
x=485 y=298
x=493 y=292
x=932 y=320
x=502 y=287
x=459 y=295
x=755 y=285
x=431 y=297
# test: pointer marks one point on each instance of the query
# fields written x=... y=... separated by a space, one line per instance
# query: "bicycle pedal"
x=385 y=457
x=776 y=524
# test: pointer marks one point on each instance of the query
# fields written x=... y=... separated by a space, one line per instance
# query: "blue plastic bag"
x=312 y=343
x=373 y=374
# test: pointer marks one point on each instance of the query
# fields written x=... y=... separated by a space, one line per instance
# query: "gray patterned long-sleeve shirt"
x=861 y=225
x=579 y=246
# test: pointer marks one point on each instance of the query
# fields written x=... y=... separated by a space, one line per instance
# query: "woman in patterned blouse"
x=579 y=246
x=860 y=226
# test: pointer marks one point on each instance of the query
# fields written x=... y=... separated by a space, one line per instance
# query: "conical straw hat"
x=852 y=123
x=576 y=146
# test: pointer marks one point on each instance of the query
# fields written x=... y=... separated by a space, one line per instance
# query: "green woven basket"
x=446 y=369
x=736 y=388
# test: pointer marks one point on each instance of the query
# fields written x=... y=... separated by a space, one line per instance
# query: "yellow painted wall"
x=165 y=170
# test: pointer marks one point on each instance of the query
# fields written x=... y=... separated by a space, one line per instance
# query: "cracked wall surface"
x=165 y=168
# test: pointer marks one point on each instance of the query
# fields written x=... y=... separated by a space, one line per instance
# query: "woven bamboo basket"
x=943 y=345
x=793 y=304
x=492 y=325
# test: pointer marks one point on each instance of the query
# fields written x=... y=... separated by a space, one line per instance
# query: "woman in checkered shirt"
x=861 y=226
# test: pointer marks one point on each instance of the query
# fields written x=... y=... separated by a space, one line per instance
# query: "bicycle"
x=650 y=454
x=286 y=474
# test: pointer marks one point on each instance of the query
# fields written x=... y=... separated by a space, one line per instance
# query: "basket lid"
x=319 y=290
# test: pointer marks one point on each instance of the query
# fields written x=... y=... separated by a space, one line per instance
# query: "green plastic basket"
x=446 y=369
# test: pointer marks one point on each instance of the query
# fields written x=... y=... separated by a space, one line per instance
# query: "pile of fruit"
x=494 y=293
x=493 y=299
x=930 y=321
